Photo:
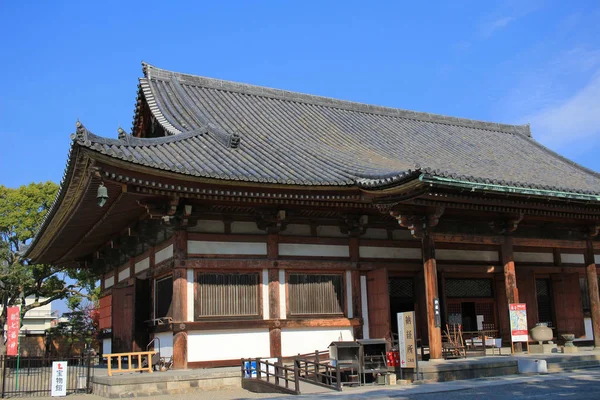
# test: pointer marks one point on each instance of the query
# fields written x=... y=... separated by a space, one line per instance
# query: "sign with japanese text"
x=406 y=339
x=59 y=379
x=14 y=325
x=518 y=322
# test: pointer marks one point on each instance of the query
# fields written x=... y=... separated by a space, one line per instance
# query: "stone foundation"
x=171 y=382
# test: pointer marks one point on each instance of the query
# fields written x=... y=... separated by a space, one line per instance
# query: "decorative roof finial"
x=81 y=133
x=122 y=134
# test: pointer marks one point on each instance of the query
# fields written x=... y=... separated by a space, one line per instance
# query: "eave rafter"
x=508 y=207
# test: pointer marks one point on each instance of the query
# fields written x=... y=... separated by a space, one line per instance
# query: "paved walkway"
x=382 y=392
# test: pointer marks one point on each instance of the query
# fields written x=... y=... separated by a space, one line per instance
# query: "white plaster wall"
x=296 y=230
x=142 y=265
x=108 y=282
x=265 y=293
x=190 y=294
x=106 y=346
x=247 y=227
x=329 y=231
x=228 y=344
x=597 y=259
x=589 y=331
x=364 y=306
x=389 y=252
x=163 y=254
x=466 y=255
x=349 y=294
x=520 y=256
x=282 y=296
x=307 y=340
x=124 y=274
x=315 y=250
x=375 y=233
x=166 y=343
x=572 y=258
x=208 y=226
x=198 y=247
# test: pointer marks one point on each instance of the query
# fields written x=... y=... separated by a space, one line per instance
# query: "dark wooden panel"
x=123 y=322
x=105 y=311
x=378 y=304
x=568 y=305
x=527 y=294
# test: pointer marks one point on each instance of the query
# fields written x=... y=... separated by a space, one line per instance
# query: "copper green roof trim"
x=491 y=187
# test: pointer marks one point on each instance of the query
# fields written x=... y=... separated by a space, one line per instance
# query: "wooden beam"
x=562 y=244
x=232 y=323
x=470 y=239
x=431 y=293
x=592 y=284
x=499 y=241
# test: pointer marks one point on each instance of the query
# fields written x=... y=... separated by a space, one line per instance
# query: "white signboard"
x=59 y=379
x=406 y=339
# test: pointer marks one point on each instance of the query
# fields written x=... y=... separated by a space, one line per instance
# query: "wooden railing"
x=318 y=373
x=130 y=368
x=275 y=374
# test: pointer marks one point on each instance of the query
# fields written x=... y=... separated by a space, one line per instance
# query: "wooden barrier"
x=138 y=355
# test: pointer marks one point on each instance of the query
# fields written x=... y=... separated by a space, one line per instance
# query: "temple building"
x=243 y=221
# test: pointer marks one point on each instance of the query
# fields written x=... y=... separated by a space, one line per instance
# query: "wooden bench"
x=140 y=358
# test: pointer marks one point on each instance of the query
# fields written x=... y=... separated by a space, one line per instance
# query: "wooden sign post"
x=518 y=325
x=406 y=341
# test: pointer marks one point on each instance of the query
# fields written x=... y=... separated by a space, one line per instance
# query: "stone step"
x=571 y=365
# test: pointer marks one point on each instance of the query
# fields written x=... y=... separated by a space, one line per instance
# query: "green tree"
x=22 y=212
x=80 y=324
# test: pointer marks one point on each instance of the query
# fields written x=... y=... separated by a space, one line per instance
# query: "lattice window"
x=585 y=295
x=163 y=297
x=315 y=294
x=221 y=295
x=487 y=310
x=401 y=288
x=465 y=288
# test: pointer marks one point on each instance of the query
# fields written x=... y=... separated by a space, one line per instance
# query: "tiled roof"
x=235 y=131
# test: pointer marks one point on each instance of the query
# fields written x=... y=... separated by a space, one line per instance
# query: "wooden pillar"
x=510 y=277
x=273 y=287
x=592 y=284
x=510 y=282
x=431 y=293
x=180 y=350
x=179 y=301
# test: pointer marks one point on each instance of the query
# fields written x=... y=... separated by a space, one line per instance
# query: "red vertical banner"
x=14 y=325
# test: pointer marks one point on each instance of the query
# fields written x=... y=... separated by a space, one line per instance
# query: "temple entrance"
x=470 y=303
x=143 y=312
x=402 y=299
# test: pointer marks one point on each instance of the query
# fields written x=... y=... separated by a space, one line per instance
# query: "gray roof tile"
x=293 y=138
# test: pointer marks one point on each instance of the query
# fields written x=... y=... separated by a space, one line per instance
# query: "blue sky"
x=508 y=61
